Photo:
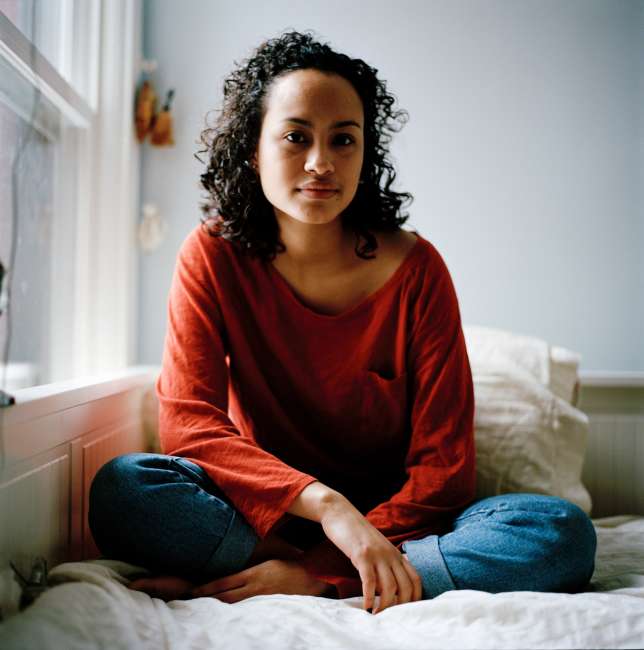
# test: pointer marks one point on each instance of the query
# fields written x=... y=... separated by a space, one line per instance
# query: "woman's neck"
x=313 y=249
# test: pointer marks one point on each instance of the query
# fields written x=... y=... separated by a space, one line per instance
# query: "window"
x=26 y=168
x=67 y=138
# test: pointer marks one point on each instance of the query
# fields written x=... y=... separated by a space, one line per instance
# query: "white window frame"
x=93 y=328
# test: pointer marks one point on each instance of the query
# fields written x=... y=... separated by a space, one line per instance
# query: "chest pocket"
x=383 y=407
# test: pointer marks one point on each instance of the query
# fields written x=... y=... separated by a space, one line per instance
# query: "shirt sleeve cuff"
x=277 y=516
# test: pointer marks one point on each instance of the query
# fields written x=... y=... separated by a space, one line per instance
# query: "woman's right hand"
x=382 y=568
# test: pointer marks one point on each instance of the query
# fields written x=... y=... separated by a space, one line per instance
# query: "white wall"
x=522 y=149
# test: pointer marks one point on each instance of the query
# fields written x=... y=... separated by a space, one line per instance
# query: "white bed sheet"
x=91 y=607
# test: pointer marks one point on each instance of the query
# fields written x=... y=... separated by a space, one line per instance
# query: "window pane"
x=19 y=13
x=41 y=23
x=25 y=325
x=66 y=33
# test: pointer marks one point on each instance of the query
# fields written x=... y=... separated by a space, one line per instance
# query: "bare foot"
x=168 y=587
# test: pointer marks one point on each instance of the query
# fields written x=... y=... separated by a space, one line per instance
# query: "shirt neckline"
x=286 y=288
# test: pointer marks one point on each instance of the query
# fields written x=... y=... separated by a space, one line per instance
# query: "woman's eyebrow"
x=337 y=125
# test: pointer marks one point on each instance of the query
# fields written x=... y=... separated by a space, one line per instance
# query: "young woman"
x=316 y=399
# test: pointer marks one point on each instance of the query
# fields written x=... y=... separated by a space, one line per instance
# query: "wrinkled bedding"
x=89 y=607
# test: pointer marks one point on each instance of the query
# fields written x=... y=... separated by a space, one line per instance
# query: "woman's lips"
x=315 y=193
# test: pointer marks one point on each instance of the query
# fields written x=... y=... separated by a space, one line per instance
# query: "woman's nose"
x=319 y=161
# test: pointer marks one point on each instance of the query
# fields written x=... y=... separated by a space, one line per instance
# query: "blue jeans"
x=164 y=513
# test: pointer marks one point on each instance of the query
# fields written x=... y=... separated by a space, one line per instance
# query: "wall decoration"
x=146 y=118
x=162 y=135
x=146 y=101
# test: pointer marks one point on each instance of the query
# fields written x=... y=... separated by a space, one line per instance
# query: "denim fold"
x=426 y=556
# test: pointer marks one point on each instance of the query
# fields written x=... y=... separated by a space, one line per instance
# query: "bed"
x=530 y=436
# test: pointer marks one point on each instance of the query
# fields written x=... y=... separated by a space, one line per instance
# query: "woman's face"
x=311 y=146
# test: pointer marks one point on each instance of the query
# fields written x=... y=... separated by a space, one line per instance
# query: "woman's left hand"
x=270 y=577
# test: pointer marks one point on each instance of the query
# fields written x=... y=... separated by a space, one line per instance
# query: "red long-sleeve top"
x=268 y=395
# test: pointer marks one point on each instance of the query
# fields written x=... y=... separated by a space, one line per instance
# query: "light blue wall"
x=641 y=180
x=522 y=149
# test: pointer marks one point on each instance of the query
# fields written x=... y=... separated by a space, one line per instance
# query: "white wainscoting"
x=54 y=440
x=614 y=471
x=614 y=466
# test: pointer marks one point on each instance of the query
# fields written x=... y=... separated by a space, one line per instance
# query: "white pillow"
x=553 y=366
x=529 y=437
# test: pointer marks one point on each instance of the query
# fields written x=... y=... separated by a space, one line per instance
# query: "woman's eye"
x=344 y=139
x=295 y=137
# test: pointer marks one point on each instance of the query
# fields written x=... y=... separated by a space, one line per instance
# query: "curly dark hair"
x=236 y=207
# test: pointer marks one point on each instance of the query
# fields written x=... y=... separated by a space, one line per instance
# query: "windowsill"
x=610 y=378
x=38 y=401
